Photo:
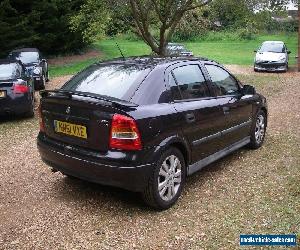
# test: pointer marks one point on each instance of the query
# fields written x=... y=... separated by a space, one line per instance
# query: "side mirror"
x=289 y=52
x=248 y=90
x=255 y=51
x=43 y=60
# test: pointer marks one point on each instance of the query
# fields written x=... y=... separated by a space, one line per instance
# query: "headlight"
x=282 y=59
x=37 y=71
x=257 y=59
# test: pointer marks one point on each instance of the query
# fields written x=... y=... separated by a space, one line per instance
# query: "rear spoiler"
x=69 y=94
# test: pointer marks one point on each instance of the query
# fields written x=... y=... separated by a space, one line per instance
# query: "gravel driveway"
x=246 y=192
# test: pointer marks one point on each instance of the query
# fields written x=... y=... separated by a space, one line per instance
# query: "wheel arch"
x=177 y=142
x=264 y=109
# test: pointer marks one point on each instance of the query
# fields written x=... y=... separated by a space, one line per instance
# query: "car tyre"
x=258 y=130
x=166 y=181
x=30 y=113
x=47 y=77
x=41 y=85
x=286 y=68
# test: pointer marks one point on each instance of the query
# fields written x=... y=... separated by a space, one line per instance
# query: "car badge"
x=68 y=110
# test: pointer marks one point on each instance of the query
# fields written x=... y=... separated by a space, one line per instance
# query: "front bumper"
x=272 y=67
x=113 y=168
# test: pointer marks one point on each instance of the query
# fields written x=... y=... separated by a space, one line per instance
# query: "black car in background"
x=36 y=66
x=176 y=49
x=16 y=89
x=145 y=124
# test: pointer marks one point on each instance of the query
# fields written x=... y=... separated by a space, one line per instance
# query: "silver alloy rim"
x=169 y=178
x=260 y=129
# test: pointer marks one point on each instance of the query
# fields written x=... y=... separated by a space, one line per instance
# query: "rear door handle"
x=226 y=110
x=190 y=117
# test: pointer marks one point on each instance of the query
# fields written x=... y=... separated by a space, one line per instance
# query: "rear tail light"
x=20 y=88
x=124 y=134
x=41 y=120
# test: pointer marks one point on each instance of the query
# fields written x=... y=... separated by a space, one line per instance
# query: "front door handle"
x=190 y=117
x=226 y=110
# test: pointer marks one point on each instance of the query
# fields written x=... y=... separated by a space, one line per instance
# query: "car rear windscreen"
x=7 y=71
x=115 y=80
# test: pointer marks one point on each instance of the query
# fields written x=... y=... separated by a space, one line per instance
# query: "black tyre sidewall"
x=30 y=112
x=161 y=204
x=41 y=84
x=47 y=76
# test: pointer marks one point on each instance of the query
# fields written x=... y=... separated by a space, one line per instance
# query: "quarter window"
x=174 y=87
x=223 y=82
x=189 y=82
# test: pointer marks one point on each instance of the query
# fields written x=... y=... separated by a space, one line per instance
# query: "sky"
x=291 y=7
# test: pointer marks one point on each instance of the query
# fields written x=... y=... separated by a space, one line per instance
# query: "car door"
x=237 y=109
x=197 y=109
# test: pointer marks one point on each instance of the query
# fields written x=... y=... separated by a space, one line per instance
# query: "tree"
x=298 y=38
x=162 y=14
x=231 y=13
x=39 y=23
x=91 y=20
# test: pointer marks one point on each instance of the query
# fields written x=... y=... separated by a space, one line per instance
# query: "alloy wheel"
x=260 y=129
x=169 y=178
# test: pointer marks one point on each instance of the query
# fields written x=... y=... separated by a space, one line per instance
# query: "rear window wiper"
x=70 y=94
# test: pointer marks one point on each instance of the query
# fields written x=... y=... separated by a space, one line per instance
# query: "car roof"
x=147 y=61
x=9 y=61
x=278 y=42
x=26 y=50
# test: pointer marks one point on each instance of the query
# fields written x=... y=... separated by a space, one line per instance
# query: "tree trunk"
x=299 y=38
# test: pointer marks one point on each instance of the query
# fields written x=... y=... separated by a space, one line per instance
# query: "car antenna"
x=120 y=51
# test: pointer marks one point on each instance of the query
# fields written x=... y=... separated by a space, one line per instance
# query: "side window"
x=174 y=88
x=190 y=81
x=224 y=83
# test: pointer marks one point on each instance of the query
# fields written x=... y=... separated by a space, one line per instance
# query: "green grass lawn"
x=238 y=52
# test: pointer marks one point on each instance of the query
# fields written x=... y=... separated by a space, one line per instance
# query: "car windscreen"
x=272 y=47
x=7 y=71
x=115 y=80
x=25 y=57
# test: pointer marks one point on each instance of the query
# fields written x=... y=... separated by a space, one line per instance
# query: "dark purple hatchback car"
x=145 y=124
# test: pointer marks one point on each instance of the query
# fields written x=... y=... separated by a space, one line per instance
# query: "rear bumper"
x=113 y=168
x=15 y=105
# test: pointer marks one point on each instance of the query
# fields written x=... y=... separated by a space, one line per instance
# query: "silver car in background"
x=272 y=56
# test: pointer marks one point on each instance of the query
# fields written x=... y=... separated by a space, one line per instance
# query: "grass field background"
x=239 y=52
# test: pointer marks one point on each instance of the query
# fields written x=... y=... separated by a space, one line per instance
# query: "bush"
x=192 y=26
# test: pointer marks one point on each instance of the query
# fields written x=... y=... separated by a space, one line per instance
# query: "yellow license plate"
x=2 y=94
x=70 y=129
